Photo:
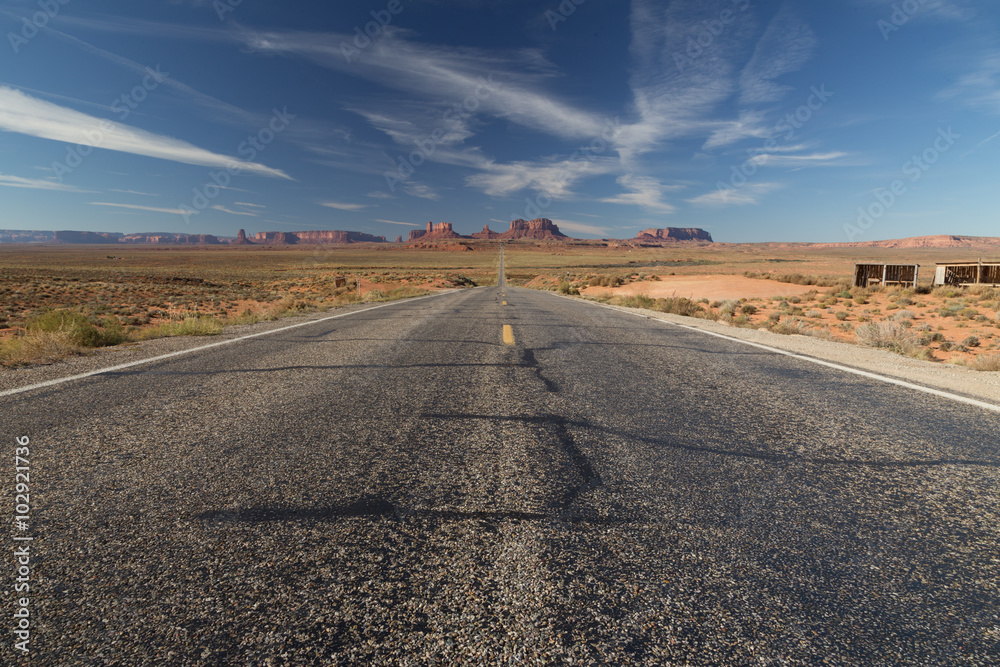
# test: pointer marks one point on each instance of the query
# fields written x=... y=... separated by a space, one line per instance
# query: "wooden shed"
x=872 y=275
x=967 y=273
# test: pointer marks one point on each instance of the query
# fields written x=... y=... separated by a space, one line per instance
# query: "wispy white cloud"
x=786 y=46
x=223 y=111
x=246 y=203
x=380 y=195
x=27 y=115
x=420 y=190
x=750 y=193
x=642 y=191
x=580 y=227
x=135 y=192
x=980 y=87
x=554 y=178
x=395 y=222
x=435 y=72
x=36 y=184
x=171 y=211
x=829 y=159
x=342 y=206
x=219 y=207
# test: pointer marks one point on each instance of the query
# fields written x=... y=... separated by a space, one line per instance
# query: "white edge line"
x=829 y=364
x=178 y=353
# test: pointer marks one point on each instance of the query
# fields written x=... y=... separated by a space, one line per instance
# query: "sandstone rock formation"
x=241 y=238
x=672 y=234
x=441 y=230
x=399 y=239
x=85 y=237
x=165 y=238
x=324 y=236
x=487 y=233
x=540 y=229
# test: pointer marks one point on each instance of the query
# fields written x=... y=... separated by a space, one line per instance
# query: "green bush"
x=78 y=328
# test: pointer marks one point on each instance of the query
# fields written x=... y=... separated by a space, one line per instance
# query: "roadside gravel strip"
x=979 y=388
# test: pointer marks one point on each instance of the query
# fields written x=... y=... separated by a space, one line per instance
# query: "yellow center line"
x=508 y=335
x=505 y=303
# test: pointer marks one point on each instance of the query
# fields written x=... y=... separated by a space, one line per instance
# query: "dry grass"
x=986 y=362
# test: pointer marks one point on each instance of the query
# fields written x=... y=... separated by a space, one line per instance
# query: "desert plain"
x=126 y=294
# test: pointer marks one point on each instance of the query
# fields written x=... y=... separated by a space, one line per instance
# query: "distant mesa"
x=673 y=234
x=86 y=237
x=540 y=229
x=317 y=236
x=164 y=239
x=435 y=232
x=158 y=238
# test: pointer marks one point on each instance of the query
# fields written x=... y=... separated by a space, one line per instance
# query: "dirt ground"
x=960 y=323
x=697 y=287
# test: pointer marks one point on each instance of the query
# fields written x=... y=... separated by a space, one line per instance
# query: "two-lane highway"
x=405 y=486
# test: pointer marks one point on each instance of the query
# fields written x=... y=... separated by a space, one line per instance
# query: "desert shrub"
x=729 y=307
x=968 y=313
x=606 y=281
x=813 y=313
x=905 y=314
x=409 y=292
x=38 y=347
x=986 y=362
x=748 y=309
x=841 y=315
x=565 y=288
x=789 y=326
x=887 y=335
x=79 y=330
x=679 y=306
x=637 y=301
x=971 y=341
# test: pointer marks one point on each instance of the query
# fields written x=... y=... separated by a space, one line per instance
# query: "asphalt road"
x=401 y=486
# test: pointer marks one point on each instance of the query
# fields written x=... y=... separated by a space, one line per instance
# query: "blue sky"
x=758 y=121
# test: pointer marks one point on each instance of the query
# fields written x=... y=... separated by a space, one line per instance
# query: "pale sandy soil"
x=707 y=287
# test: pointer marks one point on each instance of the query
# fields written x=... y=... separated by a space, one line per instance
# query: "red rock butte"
x=671 y=234
x=441 y=230
x=539 y=229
